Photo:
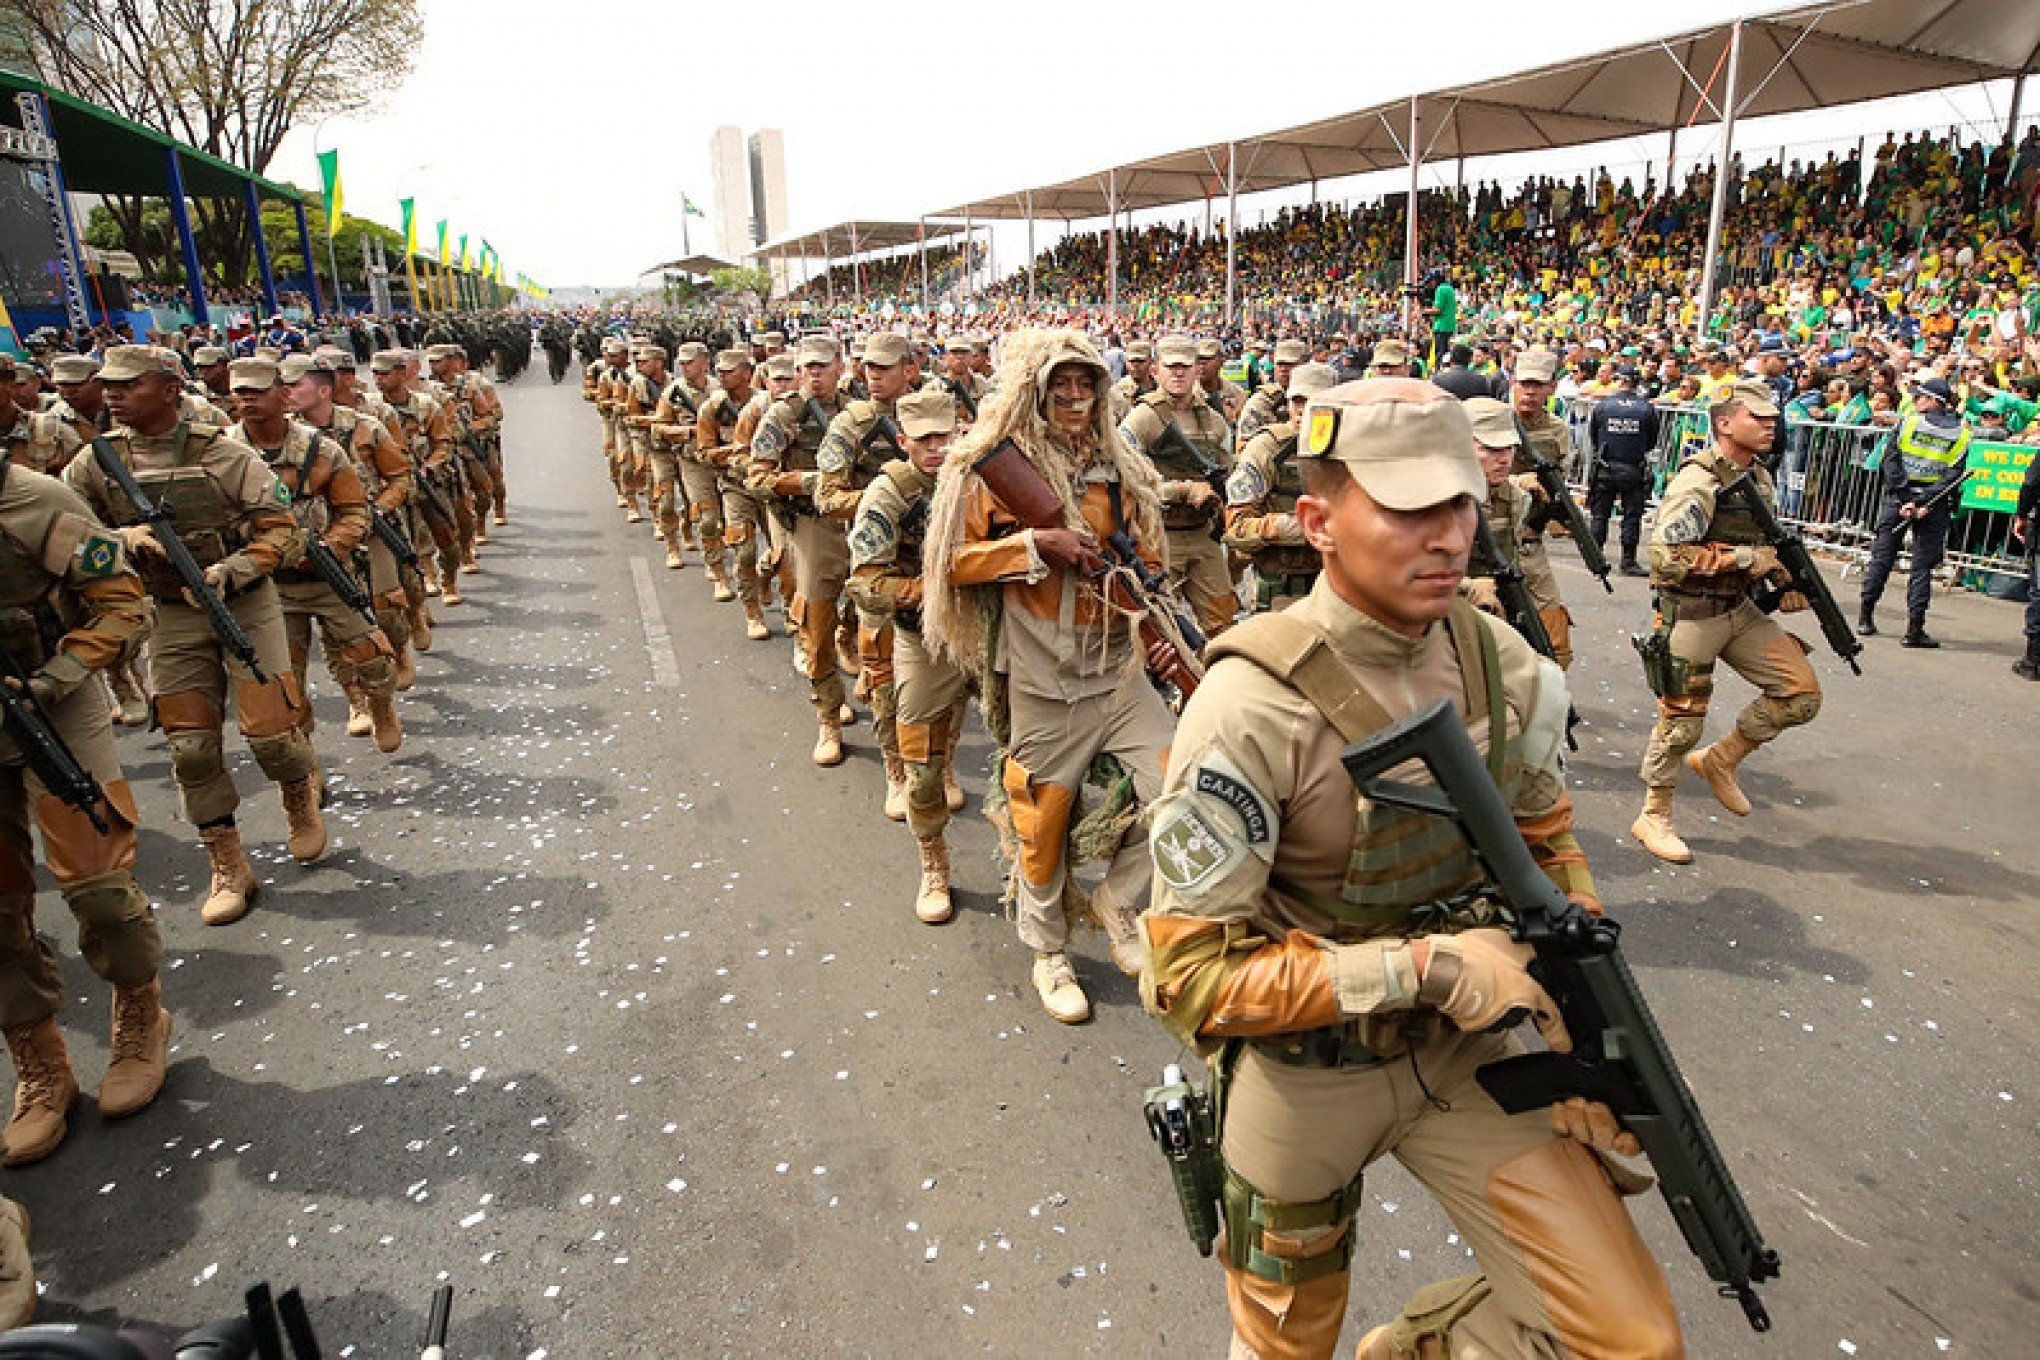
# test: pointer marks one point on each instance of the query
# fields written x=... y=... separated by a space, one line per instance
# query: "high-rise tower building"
x=732 y=182
x=768 y=185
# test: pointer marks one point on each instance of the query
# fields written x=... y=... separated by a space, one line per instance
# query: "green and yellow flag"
x=336 y=199
x=464 y=261
x=409 y=206
x=442 y=242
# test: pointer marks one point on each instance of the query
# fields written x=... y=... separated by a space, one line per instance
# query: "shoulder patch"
x=835 y=455
x=770 y=440
x=1247 y=485
x=1217 y=778
x=873 y=535
x=1191 y=849
x=1687 y=524
x=98 y=555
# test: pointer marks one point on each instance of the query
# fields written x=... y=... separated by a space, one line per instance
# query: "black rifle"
x=322 y=560
x=1619 y=1056
x=963 y=399
x=393 y=536
x=1560 y=504
x=1212 y=474
x=224 y=625
x=44 y=750
x=1510 y=590
x=883 y=426
x=1803 y=576
x=434 y=496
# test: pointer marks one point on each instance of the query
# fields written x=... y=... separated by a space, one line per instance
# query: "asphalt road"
x=610 y=1009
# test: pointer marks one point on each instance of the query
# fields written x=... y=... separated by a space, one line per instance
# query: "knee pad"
x=197 y=757
x=924 y=780
x=285 y=756
x=1040 y=815
x=1682 y=732
x=364 y=650
x=186 y=711
x=107 y=902
x=1792 y=710
x=737 y=533
x=268 y=709
x=75 y=849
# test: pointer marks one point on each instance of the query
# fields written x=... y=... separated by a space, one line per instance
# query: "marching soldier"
x=209 y=366
x=481 y=411
x=775 y=561
x=41 y=441
x=675 y=420
x=963 y=384
x=81 y=401
x=1705 y=560
x=1261 y=496
x=427 y=438
x=324 y=490
x=1139 y=379
x=596 y=381
x=1340 y=960
x=70 y=605
x=1188 y=442
x=229 y=509
x=637 y=469
x=1536 y=372
x=885 y=583
x=721 y=448
x=463 y=466
x=1270 y=404
x=367 y=404
x=654 y=456
x=1506 y=506
x=1219 y=392
x=786 y=468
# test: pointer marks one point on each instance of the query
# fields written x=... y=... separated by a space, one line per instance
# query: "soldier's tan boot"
x=141 y=1047
x=17 y=1271
x=829 y=742
x=307 y=838
x=1653 y=828
x=673 y=559
x=131 y=700
x=1122 y=933
x=468 y=562
x=45 y=1089
x=234 y=885
x=1056 y=983
x=931 y=901
x=358 y=724
x=421 y=627
x=895 y=787
x=383 y=721
x=755 y=627
x=636 y=516
x=719 y=576
x=1717 y=764
x=450 y=590
x=407 y=669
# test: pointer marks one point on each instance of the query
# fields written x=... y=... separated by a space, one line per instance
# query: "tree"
x=230 y=77
x=757 y=281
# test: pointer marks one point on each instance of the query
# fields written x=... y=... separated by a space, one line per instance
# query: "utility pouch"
x=1181 y=1119
x=1663 y=670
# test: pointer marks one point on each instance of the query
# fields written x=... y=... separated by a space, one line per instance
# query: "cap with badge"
x=781 y=366
x=1755 y=397
x=927 y=411
x=300 y=366
x=1307 y=380
x=615 y=344
x=435 y=353
x=1390 y=353
x=1537 y=364
x=208 y=356
x=1139 y=349
x=1175 y=349
x=959 y=344
x=386 y=361
x=690 y=352
x=886 y=349
x=819 y=349
x=125 y=363
x=1209 y=349
x=730 y=360
x=1290 y=352
x=336 y=358
x=73 y=368
x=1408 y=443
x=648 y=350
x=251 y=375
x=1494 y=425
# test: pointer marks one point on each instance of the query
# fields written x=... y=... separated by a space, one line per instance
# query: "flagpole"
x=686 y=241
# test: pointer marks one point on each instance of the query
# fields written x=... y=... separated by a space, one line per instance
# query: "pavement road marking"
x=658 y=642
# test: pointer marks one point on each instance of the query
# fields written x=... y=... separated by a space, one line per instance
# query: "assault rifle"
x=1510 y=590
x=1619 y=1056
x=963 y=399
x=224 y=625
x=1212 y=474
x=43 y=748
x=434 y=497
x=1803 y=576
x=393 y=536
x=322 y=560
x=1560 y=504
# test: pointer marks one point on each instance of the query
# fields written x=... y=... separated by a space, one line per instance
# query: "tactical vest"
x=31 y=625
x=1732 y=523
x=344 y=430
x=304 y=453
x=913 y=526
x=808 y=431
x=1283 y=493
x=1404 y=869
x=1170 y=460
x=877 y=445
x=32 y=442
x=1927 y=451
x=201 y=513
x=687 y=401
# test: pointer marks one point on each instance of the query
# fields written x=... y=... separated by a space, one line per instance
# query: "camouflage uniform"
x=721 y=444
x=1197 y=562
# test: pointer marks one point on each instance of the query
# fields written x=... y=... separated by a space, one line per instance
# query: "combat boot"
x=1631 y=567
x=45 y=1090
x=383 y=721
x=1917 y=636
x=636 y=516
x=1122 y=933
x=952 y=792
x=1716 y=764
x=307 y=839
x=1653 y=828
x=931 y=902
x=501 y=518
x=141 y=1046
x=673 y=559
x=17 y=1271
x=895 y=787
x=720 y=576
x=233 y=887
x=449 y=591
x=407 y=670
x=358 y=724
x=131 y=701
x=755 y=627
x=1866 y=621
x=468 y=562
x=829 y=742
x=1056 y=983
x=421 y=627
x=2028 y=666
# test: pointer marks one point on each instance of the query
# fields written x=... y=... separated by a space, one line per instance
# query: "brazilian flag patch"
x=99 y=555
x=282 y=491
x=1323 y=430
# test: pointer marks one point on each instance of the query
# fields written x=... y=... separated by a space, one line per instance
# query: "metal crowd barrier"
x=1824 y=489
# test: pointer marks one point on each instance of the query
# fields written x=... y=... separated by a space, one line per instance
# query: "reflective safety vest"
x=1929 y=450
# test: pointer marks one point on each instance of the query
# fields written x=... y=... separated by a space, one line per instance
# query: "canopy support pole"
x=1112 y=243
x=304 y=241
x=261 y=249
x=1410 y=222
x=1232 y=233
x=856 y=268
x=921 y=246
x=180 y=214
x=1030 y=248
x=1725 y=160
x=2018 y=107
x=969 y=254
x=828 y=270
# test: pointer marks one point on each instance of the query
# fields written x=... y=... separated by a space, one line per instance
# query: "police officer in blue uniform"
x=1624 y=430
x=1922 y=465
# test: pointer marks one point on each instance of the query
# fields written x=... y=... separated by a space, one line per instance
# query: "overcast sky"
x=568 y=144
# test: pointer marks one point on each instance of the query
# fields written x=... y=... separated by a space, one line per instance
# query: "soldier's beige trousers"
x=928 y=713
x=1054 y=742
x=821 y=564
x=1202 y=575
x=357 y=652
x=703 y=492
x=95 y=873
x=1758 y=650
x=747 y=531
x=665 y=471
x=1563 y=1270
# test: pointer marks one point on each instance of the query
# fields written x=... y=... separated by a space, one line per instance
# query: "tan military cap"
x=818 y=349
x=298 y=365
x=1175 y=349
x=269 y=352
x=775 y=337
x=781 y=366
x=73 y=368
x=886 y=349
x=1494 y=425
x=857 y=348
x=205 y=356
x=125 y=363
x=1408 y=443
x=386 y=361
x=730 y=360
x=615 y=344
x=1139 y=349
x=1290 y=352
x=1755 y=397
x=251 y=375
x=1389 y=353
x=337 y=358
x=1536 y=365
x=690 y=351
x=434 y=353
x=1209 y=349
x=959 y=344
x=1307 y=380
x=927 y=410
x=649 y=351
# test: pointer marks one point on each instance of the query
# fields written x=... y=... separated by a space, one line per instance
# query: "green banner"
x=1996 y=470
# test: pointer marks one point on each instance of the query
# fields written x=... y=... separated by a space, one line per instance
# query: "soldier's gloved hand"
x=1793 y=602
x=1591 y=1123
x=140 y=539
x=789 y=484
x=1068 y=549
x=1479 y=980
x=1759 y=560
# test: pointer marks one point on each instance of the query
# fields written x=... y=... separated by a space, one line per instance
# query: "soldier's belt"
x=1334 y=1046
x=1685 y=605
